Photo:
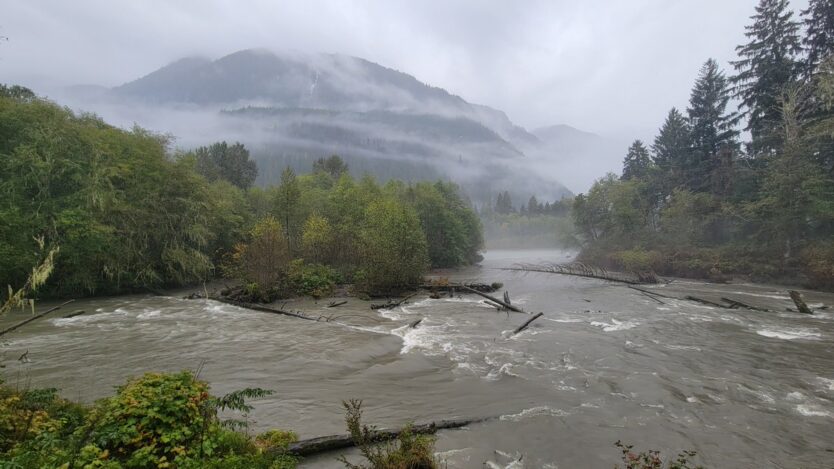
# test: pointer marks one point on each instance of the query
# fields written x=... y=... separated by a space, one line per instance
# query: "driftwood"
x=706 y=302
x=33 y=318
x=264 y=309
x=415 y=323
x=392 y=304
x=74 y=314
x=527 y=323
x=324 y=444
x=495 y=305
x=579 y=269
x=334 y=304
x=651 y=292
x=481 y=287
x=495 y=300
x=799 y=302
x=653 y=298
x=738 y=304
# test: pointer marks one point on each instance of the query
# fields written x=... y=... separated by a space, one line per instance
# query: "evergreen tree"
x=766 y=65
x=672 y=148
x=637 y=162
x=229 y=162
x=819 y=33
x=504 y=204
x=711 y=127
x=533 y=205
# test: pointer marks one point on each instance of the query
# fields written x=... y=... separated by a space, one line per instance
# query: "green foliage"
x=637 y=162
x=409 y=451
x=157 y=420
x=230 y=163
x=315 y=280
x=125 y=214
x=394 y=253
x=652 y=459
x=334 y=166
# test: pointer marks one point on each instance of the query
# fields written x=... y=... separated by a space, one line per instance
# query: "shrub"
x=315 y=280
x=409 y=451
x=157 y=420
x=652 y=459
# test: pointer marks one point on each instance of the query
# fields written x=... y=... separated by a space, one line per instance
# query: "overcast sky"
x=613 y=67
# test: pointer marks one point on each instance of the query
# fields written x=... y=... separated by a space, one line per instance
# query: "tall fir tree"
x=711 y=126
x=637 y=161
x=766 y=66
x=819 y=33
x=672 y=149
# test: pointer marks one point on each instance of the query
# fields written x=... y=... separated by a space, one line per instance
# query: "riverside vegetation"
x=702 y=202
x=127 y=214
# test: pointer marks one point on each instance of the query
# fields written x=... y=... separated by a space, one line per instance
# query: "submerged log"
x=799 y=302
x=651 y=292
x=706 y=302
x=392 y=304
x=33 y=318
x=264 y=309
x=527 y=323
x=738 y=304
x=450 y=287
x=74 y=314
x=579 y=269
x=324 y=444
x=415 y=323
x=334 y=304
x=495 y=300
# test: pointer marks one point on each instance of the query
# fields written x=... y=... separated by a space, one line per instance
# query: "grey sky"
x=612 y=67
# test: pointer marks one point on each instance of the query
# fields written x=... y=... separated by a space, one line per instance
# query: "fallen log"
x=578 y=269
x=392 y=304
x=263 y=309
x=527 y=323
x=495 y=305
x=649 y=296
x=738 y=304
x=324 y=444
x=495 y=300
x=650 y=292
x=799 y=302
x=482 y=287
x=33 y=318
x=74 y=314
x=706 y=302
x=334 y=304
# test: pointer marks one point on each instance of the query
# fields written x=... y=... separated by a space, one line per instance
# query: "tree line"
x=128 y=213
x=704 y=198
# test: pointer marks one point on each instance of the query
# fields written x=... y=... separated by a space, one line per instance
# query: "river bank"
x=604 y=363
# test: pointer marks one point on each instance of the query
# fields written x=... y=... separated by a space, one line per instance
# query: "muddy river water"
x=742 y=388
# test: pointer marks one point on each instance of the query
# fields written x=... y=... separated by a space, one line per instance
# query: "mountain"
x=295 y=107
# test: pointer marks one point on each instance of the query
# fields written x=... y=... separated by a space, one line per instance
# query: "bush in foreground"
x=156 y=420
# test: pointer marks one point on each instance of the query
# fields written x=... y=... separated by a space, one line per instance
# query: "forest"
x=118 y=211
x=725 y=190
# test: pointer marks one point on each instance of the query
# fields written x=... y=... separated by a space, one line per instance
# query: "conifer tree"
x=819 y=33
x=711 y=126
x=533 y=205
x=766 y=65
x=637 y=162
x=672 y=148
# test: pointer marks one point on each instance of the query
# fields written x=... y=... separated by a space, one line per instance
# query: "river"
x=606 y=363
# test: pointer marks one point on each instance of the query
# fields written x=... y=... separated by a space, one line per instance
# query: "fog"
x=611 y=68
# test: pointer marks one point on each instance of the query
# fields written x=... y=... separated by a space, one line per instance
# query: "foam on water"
x=790 y=333
x=812 y=410
x=540 y=411
x=615 y=325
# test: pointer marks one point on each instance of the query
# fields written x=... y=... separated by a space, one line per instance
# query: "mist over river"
x=743 y=388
